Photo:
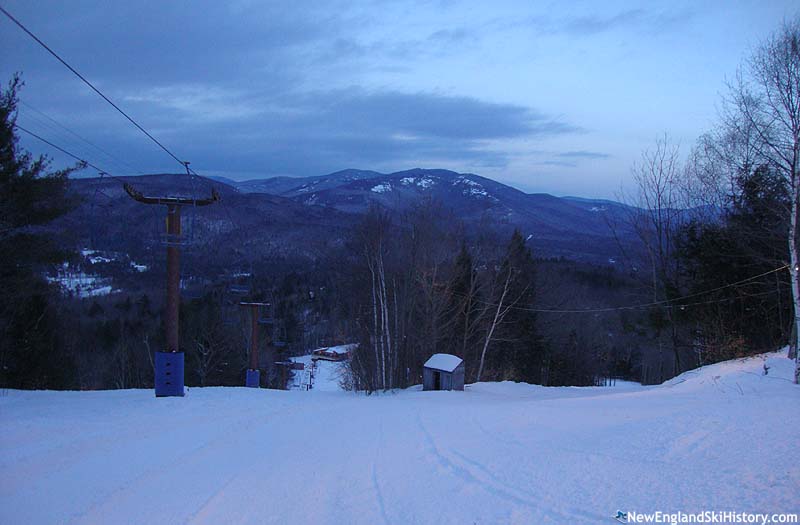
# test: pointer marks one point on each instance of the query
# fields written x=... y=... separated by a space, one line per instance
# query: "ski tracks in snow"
x=478 y=475
x=159 y=475
x=376 y=485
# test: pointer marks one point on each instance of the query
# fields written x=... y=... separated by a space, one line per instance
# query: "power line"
x=92 y=86
x=664 y=303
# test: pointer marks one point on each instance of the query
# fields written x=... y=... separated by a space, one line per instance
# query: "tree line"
x=718 y=236
x=713 y=275
x=421 y=289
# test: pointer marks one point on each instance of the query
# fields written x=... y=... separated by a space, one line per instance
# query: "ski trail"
x=141 y=483
x=375 y=482
x=202 y=513
x=106 y=440
x=483 y=478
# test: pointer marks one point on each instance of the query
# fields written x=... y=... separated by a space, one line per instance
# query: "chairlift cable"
x=192 y=173
x=62 y=150
x=119 y=162
x=88 y=83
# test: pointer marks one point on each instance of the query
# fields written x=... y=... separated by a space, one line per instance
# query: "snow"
x=422 y=182
x=719 y=438
x=340 y=349
x=444 y=362
x=382 y=188
x=327 y=375
x=469 y=182
x=82 y=284
x=94 y=258
x=476 y=192
x=473 y=189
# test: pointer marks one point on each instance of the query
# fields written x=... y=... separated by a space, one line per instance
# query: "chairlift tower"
x=169 y=363
x=253 y=377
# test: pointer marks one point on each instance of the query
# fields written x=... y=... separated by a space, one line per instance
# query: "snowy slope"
x=719 y=438
x=327 y=375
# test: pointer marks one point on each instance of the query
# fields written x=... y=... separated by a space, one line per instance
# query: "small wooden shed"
x=443 y=372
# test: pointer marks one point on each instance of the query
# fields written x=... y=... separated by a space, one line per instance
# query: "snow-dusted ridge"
x=719 y=438
x=382 y=188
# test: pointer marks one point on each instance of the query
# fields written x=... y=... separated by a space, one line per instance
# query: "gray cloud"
x=559 y=163
x=375 y=53
x=244 y=87
x=583 y=155
x=309 y=133
x=641 y=20
x=592 y=24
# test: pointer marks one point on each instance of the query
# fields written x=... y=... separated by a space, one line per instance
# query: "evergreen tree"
x=523 y=348
x=750 y=240
x=30 y=198
x=466 y=307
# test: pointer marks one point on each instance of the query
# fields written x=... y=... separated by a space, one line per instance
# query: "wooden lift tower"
x=169 y=363
x=253 y=376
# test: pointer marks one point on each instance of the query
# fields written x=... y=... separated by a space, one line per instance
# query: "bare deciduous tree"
x=765 y=101
x=656 y=209
x=500 y=311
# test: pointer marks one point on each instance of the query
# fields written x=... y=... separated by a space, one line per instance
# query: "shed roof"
x=339 y=349
x=443 y=362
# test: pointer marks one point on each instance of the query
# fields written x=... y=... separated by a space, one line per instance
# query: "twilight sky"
x=557 y=97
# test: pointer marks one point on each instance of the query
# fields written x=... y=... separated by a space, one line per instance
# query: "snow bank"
x=720 y=438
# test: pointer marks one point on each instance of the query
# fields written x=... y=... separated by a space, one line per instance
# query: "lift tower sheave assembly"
x=169 y=363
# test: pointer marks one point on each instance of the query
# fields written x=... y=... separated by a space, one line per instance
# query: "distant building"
x=334 y=353
x=443 y=372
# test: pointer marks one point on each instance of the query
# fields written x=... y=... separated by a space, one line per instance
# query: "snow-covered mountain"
x=290 y=186
x=306 y=216
x=563 y=226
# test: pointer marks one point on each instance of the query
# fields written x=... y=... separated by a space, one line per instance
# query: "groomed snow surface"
x=721 y=438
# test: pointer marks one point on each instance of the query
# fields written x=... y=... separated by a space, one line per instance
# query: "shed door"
x=447 y=382
x=437 y=380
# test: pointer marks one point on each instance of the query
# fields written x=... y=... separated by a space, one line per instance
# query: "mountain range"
x=559 y=226
x=283 y=218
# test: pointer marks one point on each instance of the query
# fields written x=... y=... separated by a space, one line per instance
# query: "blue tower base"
x=253 y=379
x=169 y=374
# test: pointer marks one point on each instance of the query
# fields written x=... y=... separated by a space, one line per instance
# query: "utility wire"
x=64 y=62
x=665 y=303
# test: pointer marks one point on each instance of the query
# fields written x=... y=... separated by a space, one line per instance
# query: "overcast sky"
x=557 y=97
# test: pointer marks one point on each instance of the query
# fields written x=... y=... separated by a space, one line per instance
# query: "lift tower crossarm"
x=176 y=201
